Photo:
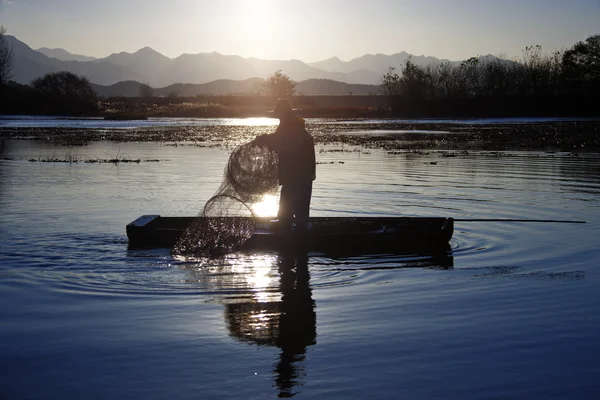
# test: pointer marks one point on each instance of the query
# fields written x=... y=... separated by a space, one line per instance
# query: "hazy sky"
x=309 y=30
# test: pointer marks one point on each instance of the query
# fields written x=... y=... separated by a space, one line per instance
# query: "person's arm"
x=265 y=140
x=261 y=140
x=272 y=141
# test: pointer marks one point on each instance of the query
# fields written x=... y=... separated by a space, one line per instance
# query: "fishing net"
x=227 y=219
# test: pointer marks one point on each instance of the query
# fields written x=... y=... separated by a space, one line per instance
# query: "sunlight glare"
x=260 y=121
x=258 y=18
x=268 y=207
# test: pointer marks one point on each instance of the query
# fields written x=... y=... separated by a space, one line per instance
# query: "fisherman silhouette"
x=295 y=149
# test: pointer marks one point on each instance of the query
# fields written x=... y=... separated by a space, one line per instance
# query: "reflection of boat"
x=325 y=234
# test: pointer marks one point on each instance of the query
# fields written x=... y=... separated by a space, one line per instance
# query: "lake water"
x=511 y=313
x=16 y=121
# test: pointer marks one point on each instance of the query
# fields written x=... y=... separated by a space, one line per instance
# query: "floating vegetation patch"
x=83 y=161
x=358 y=150
x=411 y=151
x=93 y=160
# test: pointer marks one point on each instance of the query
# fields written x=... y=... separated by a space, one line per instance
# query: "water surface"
x=27 y=121
x=510 y=312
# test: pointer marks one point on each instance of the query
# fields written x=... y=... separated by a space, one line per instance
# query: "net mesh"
x=226 y=220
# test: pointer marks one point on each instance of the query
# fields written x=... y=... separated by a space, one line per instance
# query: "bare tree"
x=279 y=85
x=390 y=82
x=447 y=81
x=415 y=83
x=6 y=58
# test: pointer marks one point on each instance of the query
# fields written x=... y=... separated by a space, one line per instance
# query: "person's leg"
x=303 y=194
x=286 y=203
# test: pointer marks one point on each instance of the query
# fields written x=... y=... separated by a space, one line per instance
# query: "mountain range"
x=150 y=67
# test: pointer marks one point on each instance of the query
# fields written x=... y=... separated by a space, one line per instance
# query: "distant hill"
x=218 y=87
x=63 y=55
x=119 y=89
x=232 y=87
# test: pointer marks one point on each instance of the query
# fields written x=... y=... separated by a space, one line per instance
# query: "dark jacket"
x=295 y=149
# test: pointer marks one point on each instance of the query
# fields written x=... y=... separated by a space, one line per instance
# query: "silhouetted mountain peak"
x=149 y=52
x=22 y=50
x=144 y=50
x=63 y=55
x=14 y=42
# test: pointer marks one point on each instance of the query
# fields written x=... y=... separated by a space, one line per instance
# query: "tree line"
x=532 y=82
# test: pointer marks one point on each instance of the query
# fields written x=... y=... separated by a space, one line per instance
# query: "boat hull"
x=355 y=235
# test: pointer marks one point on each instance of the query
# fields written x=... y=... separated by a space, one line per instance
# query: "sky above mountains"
x=309 y=30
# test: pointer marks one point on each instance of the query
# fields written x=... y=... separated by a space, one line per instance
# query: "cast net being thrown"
x=227 y=219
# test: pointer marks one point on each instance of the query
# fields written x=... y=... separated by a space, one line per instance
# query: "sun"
x=257 y=17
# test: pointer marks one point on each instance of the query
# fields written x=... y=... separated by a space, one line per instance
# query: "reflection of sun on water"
x=268 y=207
x=260 y=121
x=261 y=320
x=255 y=317
x=258 y=274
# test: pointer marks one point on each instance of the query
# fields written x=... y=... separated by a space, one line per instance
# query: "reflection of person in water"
x=290 y=324
x=297 y=321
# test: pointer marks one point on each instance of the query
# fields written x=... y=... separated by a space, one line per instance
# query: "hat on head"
x=282 y=109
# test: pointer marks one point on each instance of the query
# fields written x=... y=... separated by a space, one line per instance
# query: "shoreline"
x=580 y=105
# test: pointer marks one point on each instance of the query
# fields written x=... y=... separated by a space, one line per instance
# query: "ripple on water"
x=101 y=264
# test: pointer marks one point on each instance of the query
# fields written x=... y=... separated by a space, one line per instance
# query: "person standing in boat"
x=295 y=150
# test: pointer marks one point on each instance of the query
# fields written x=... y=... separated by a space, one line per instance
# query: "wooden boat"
x=325 y=234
